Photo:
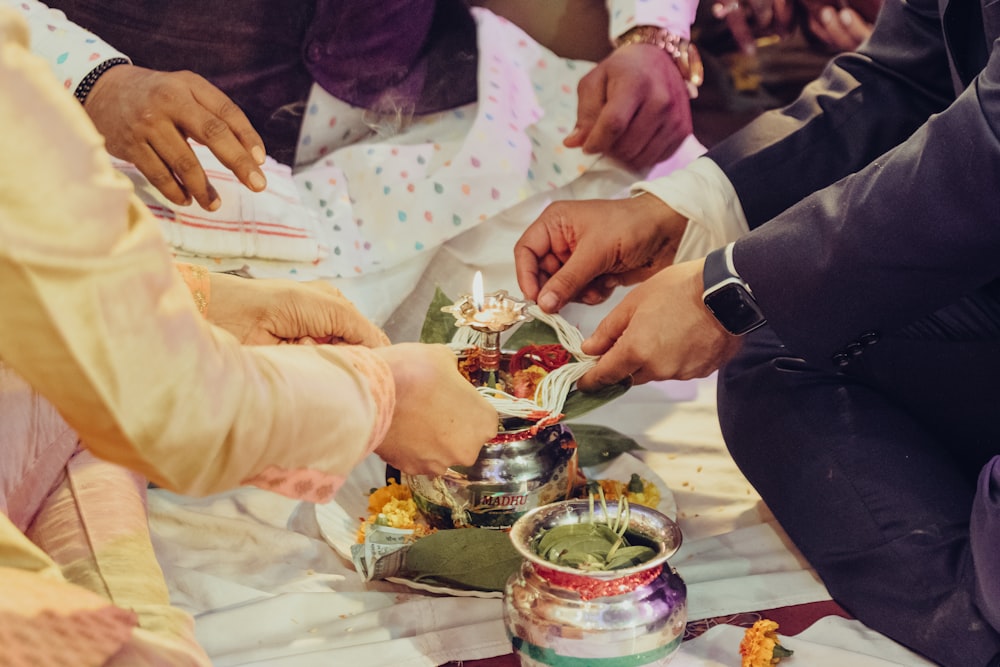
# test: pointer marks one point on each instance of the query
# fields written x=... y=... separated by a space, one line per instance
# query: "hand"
x=440 y=419
x=147 y=117
x=583 y=250
x=842 y=30
x=267 y=312
x=749 y=20
x=661 y=330
x=633 y=106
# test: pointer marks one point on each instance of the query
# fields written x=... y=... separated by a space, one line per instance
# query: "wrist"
x=89 y=82
x=680 y=49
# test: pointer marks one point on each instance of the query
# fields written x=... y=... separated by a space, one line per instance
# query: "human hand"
x=440 y=420
x=661 y=330
x=633 y=106
x=267 y=312
x=842 y=30
x=147 y=117
x=751 y=20
x=582 y=250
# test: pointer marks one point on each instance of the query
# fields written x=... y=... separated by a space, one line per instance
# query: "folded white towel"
x=273 y=224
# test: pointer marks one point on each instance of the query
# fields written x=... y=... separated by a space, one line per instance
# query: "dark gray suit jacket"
x=874 y=199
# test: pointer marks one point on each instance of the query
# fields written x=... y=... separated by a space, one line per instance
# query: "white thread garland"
x=551 y=392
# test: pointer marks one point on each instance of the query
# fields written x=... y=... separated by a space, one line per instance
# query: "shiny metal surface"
x=560 y=616
x=507 y=480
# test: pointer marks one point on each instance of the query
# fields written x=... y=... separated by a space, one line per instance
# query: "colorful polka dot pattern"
x=411 y=184
x=69 y=50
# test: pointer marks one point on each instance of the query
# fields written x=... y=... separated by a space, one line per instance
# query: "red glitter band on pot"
x=589 y=588
x=524 y=434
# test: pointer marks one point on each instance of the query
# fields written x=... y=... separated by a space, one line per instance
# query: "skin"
x=439 y=419
x=269 y=312
x=633 y=106
x=842 y=30
x=146 y=118
x=661 y=329
x=430 y=430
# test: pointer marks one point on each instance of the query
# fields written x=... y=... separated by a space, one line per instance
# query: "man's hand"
x=842 y=30
x=583 y=250
x=661 y=330
x=440 y=419
x=268 y=312
x=147 y=117
x=633 y=106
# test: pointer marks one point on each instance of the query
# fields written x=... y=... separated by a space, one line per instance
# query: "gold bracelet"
x=682 y=51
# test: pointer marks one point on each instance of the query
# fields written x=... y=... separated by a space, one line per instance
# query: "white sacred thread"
x=551 y=392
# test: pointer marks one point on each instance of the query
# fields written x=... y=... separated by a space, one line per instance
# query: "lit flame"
x=477 y=290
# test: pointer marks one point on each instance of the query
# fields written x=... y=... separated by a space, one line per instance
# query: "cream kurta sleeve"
x=94 y=317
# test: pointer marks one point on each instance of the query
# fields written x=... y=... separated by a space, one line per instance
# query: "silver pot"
x=557 y=615
x=511 y=476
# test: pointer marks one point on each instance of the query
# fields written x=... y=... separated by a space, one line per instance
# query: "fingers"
x=622 y=104
x=230 y=136
x=147 y=118
x=590 y=100
x=842 y=30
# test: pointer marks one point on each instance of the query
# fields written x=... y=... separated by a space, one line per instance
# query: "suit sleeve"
x=905 y=217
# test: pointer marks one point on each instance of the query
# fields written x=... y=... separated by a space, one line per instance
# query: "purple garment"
x=985 y=536
x=415 y=56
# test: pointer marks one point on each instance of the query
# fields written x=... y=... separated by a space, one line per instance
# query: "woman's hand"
x=268 y=312
x=440 y=419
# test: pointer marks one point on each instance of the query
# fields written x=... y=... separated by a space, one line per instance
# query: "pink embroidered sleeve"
x=198 y=283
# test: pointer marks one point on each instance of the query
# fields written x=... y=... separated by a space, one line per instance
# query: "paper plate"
x=339 y=520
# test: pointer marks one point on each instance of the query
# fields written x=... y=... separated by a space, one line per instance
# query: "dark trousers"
x=873 y=473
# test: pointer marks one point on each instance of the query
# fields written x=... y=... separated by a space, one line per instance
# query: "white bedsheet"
x=267 y=590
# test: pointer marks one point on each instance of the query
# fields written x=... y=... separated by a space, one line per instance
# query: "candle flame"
x=477 y=290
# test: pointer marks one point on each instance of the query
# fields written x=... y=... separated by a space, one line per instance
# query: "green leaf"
x=471 y=558
x=438 y=327
x=579 y=403
x=781 y=652
x=599 y=444
x=532 y=332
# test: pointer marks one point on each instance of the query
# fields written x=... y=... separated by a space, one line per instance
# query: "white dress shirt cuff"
x=701 y=193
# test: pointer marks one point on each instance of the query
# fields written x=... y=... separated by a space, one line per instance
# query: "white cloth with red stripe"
x=273 y=224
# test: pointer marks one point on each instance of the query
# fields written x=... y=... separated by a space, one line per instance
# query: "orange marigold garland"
x=760 y=646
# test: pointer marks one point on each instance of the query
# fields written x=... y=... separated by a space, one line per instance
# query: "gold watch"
x=684 y=53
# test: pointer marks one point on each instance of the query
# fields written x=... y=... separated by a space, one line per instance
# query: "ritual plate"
x=340 y=519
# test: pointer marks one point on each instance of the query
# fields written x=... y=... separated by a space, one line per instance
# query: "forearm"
x=864 y=104
x=97 y=320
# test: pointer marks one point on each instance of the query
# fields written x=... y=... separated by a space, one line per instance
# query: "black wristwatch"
x=728 y=296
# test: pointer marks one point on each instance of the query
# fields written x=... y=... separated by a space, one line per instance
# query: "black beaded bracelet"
x=88 y=81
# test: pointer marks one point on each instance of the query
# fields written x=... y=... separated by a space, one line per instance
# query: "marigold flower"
x=760 y=646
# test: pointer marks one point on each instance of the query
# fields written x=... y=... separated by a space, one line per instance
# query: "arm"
x=864 y=104
x=915 y=227
x=118 y=346
x=147 y=116
x=635 y=104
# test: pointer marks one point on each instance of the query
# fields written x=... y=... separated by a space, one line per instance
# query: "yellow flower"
x=760 y=646
x=393 y=505
x=613 y=489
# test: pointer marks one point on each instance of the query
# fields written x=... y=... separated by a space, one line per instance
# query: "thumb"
x=590 y=101
x=571 y=279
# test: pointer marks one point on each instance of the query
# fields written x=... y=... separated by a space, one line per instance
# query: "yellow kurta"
x=98 y=332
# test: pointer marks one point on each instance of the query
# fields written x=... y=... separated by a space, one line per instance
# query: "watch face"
x=735 y=309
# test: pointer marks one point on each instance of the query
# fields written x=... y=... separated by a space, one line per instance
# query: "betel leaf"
x=469 y=558
x=599 y=444
x=532 y=332
x=439 y=326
